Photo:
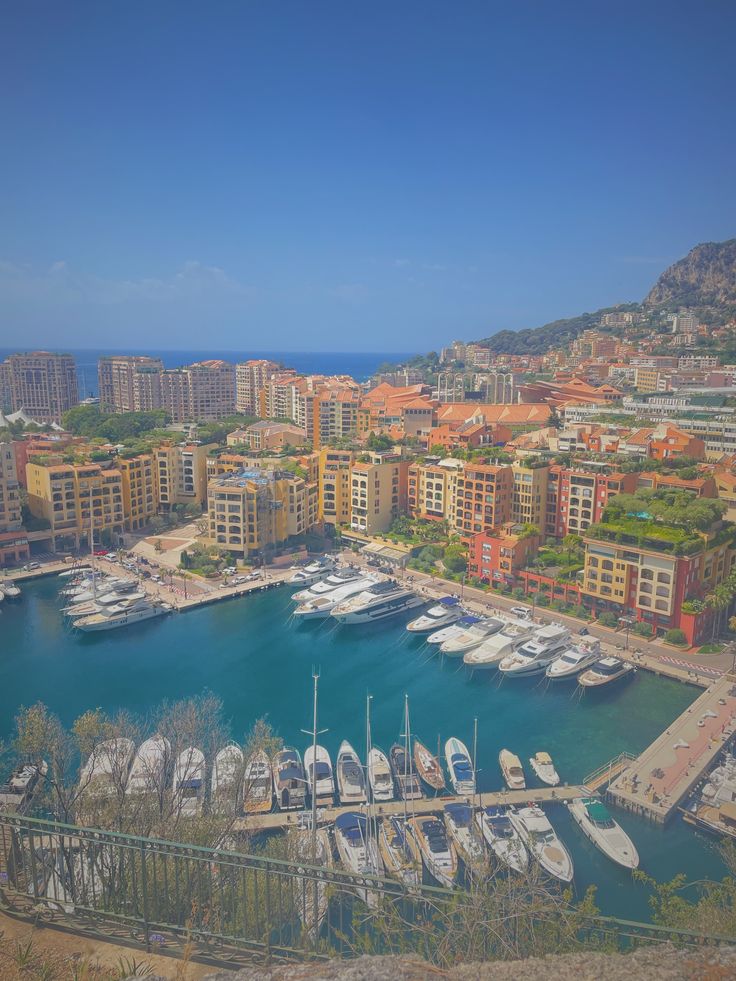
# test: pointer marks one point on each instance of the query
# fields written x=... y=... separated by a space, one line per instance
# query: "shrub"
x=518 y=593
x=643 y=629
x=608 y=619
x=676 y=636
x=542 y=600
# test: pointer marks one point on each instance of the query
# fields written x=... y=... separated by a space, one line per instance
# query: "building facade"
x=44 y=384
x=378 y=492
x=83 y=503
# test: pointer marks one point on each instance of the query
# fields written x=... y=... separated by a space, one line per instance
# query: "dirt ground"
x=60 y=947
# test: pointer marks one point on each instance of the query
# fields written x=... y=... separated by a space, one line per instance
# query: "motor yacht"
x=103 y=604
x=258 y=784
x=320 y=607
x=407 y=781
x=350 y=776
x=498 y=646
x=289 y=779
x=382 y=600
x=605 y=672
x=9 y=589
x=459 y=767
x=106 y=771
x=473 y=637
x=399 y=852
x=226 y=786
x=150 y=764
x=502 y=837
x=310 y=572
x=544 y=768
x=465 y=836
x=188 y=785
x=445 y=611
x=379 y=775
x=454 y=630
x=437 y=851
x=574 y=660
x=336 y=579
x=533 y=656
x=513 y=772
x=428 y=767
x=358 y=851
x=122 y=615
x=543 y=843
x=320 y=778
x=594 y=820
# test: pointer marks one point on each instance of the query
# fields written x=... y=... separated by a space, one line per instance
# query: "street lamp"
x=626 y=622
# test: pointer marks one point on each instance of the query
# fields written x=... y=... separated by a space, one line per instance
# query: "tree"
x=676 y=636
x=158 y=546
x=454 y=559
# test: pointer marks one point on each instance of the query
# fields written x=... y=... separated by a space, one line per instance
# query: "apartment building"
x=432 y=489
x=181 y=473
x=483 y=498
x=118 y=382
x=334 y=415
x=6 y=389
x=13 y=540
x=254 y=511
x=497 y=557
x=576 y=498
x=75 y=498
x=529 y=499
x=211 y=390
x=266 y=435
x=378 y=492
x=140 y=502
x=334 y=485
x=250 y=380
x=44 y=384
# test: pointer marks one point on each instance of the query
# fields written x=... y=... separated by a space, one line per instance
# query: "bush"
x=676 y=636
x=518 y=593
x=542 y=600
x=643 y=629
x=608 y=619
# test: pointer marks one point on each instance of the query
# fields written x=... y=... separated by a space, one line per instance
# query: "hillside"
x=705 y=280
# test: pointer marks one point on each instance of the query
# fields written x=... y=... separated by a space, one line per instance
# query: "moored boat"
x=320 y=778
x=290 y=779
x=350 y=776
x=533 y=656
x=399 y=852
x=498 y=646
x=467 y=840
x=150 y=764
x=319 y=607
x=227 y=780
x=502 y=837
x=188 y=785
x=428 y=767
x=574 y=660
x=379 y=775
x=595 y=821
x=454 y=630
x=442 y=613
x=606 y=671
x=378 y=602
x=542 y=841
x=310 y=572
x=438 y=852
x=258 y=784
x=473 y=637
x=513 y=771
x=407 y=782
x=544 y=768
x=459 y=767
x=105 y=773
x=10 y=589
x=358 y=851
x=335 y=580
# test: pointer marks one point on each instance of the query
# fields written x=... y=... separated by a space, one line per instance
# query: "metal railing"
x=224 y=906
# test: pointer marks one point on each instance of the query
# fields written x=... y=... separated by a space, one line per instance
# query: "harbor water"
x=259 y=662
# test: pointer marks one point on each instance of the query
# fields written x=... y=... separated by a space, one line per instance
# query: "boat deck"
x=285 y=819
x=656 y=782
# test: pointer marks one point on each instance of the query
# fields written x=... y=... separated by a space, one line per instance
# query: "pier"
x=282 y=820
x=655 y=784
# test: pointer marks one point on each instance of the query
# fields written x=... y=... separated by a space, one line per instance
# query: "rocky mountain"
x=705 y=280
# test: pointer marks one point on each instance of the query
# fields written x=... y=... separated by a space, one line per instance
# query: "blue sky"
x=343 y=176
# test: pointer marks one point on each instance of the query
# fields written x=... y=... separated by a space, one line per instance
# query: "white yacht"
x=454 y=630
x=378 y=602
x=498 y=646
x=459 y=767
x=188 y=785
x=258 y=784
x=473 y=637
x=544 y=768
x=9 y=589
x=350 y=776
x=607 y=835
x=358 y=851
x=336 y=579
x=149 y=766
x=463 y=832
x=606 y=671
x=226 y=783
x=445 y=611
x=513 y=772
x=533 y=657
x=103 y=604
x=438 y=853
x=380 y=777
x=290 y=780
x=122 y=615
x=320 y=607
x=309 y=573
x=502 y=837
x=540 y=838
x=320 y=778
x=574 y=660
x=107 y=767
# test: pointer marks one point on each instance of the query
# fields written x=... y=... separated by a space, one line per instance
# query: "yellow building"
x=529 y=500
x=432 y=489
x=75 y=497
x=253 y=511
x=333 y=480
x=648 y=379
x=378 y=492
x=483 y=496
x=181 y=473
x=140 y=502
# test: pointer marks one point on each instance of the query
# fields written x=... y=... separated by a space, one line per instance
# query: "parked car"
x=239 y=580
x=521 y=611
x=100 y=551
x=31 y=565
x=252 y=575
x=155 y=578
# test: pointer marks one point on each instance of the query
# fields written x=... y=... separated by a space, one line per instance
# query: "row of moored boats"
x=9 y=590
x=94 y=601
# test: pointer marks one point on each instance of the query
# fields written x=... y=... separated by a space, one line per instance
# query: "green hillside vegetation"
x=558 y=333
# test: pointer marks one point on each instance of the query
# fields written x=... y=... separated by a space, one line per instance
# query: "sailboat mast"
x=475 y=756
x=407 y=763
x=315 y=679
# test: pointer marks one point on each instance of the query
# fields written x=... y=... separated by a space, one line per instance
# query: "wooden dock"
x=656 y=783
x=281 y=820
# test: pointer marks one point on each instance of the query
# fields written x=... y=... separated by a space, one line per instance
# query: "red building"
x=497 y=557
x=576 y=498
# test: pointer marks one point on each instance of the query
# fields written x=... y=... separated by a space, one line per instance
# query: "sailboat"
x=502 y=838
x=399 y=852
x=438 y=853
x=469 y=844
x=428 y=767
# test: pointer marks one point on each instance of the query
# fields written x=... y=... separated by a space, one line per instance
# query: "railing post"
x=144 y=888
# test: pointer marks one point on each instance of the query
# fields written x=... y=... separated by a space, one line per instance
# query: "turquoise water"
x=249 y=653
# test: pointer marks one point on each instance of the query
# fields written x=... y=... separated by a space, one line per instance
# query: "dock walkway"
x=656 y=782
x=281 y=820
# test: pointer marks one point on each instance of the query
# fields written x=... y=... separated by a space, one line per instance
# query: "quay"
x=282 y=820
x=656 y=783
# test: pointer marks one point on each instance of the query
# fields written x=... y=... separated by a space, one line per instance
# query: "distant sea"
x=361 y=365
